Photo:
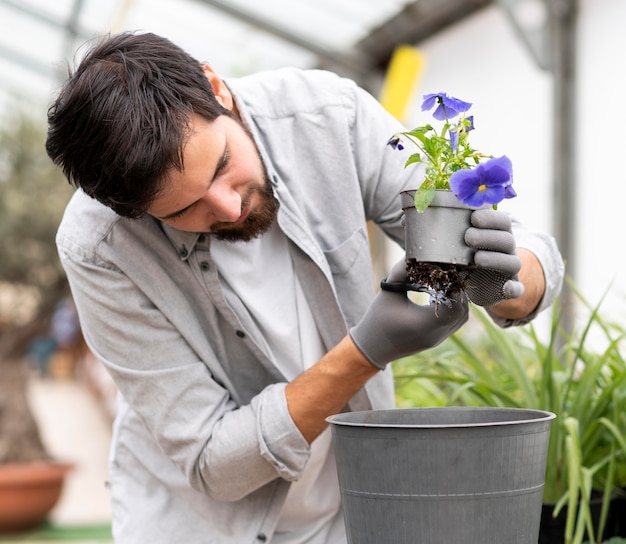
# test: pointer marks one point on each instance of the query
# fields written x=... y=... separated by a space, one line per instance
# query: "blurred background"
x=546 y=78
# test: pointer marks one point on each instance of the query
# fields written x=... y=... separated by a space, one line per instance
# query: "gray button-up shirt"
x=204 y=448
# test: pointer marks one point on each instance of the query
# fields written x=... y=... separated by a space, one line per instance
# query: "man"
x=218 y=256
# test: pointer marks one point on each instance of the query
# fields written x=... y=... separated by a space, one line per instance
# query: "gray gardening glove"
x=495 y=277
x=395 y=327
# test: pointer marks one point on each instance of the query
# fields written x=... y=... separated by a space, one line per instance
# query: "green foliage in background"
x=584 y=386
x=33 y=195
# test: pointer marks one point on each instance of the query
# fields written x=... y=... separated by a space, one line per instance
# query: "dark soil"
x=441 y=280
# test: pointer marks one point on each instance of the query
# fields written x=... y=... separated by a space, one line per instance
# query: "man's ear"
x=222 y=94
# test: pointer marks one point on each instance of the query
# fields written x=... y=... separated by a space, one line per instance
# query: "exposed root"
x=441 y=280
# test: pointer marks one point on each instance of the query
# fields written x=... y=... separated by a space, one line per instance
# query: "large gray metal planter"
x=442 y=475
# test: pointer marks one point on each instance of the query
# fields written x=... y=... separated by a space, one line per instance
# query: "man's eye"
x=179 y=214
x=223 y=163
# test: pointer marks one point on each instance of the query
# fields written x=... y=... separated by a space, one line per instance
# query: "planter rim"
x=33 y=473
x=443 y=197
x=508 y=416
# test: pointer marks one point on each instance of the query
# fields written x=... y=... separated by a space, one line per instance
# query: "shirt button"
x=204 y=265
x=261 y=537
x=241 y=334
x=184 y=252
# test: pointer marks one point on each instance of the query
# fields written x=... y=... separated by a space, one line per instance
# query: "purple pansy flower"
x=451 y=162
x=454 y=132
x=488 y=183
x=454 y=140
x=395 y=142
x=448 y=106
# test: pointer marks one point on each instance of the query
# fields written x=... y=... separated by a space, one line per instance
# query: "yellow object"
x=405 y=68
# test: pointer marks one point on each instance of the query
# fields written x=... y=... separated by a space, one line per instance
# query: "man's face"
x=223 y=188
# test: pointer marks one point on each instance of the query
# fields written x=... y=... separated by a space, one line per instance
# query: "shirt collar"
x=248 y=121
x=183 y=241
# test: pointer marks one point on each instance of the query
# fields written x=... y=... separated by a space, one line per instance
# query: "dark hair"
x=120 y=121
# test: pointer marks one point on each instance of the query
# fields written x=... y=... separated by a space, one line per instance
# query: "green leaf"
x=415 y=157
x=423 y=197
x=419 y=131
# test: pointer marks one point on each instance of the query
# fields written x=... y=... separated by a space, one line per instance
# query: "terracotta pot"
x=437 y=234
x=28 y=492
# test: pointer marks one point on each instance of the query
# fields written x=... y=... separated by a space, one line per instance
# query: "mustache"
x=258 y=221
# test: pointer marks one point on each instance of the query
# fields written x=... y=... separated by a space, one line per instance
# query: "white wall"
x=602 y=151
x=482 y=61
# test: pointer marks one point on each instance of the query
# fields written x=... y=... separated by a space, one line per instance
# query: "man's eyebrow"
x=220 y=166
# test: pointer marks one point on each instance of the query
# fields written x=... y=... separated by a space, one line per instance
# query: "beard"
x=258 y=221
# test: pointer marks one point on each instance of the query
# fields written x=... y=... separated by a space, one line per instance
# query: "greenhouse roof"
x=352 y=37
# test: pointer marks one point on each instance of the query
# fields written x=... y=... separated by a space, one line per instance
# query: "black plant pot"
x=552 y=530
x=619 y=504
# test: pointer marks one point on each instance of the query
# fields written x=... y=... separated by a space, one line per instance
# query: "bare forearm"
x=531 y=276
x=326 y=387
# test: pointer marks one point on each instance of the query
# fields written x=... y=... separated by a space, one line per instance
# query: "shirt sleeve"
x=544 y=247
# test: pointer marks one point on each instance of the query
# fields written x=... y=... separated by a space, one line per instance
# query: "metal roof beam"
x=416 y=22
x=43 y=17
x=352 y=63
x=531 y=21
x=24 y=61
x=71 y=27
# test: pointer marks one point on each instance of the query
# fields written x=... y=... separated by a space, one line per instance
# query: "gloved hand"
x=395 y=327
x=495 y=277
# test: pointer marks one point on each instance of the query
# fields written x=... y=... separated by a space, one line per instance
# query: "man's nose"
x=224 y=203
